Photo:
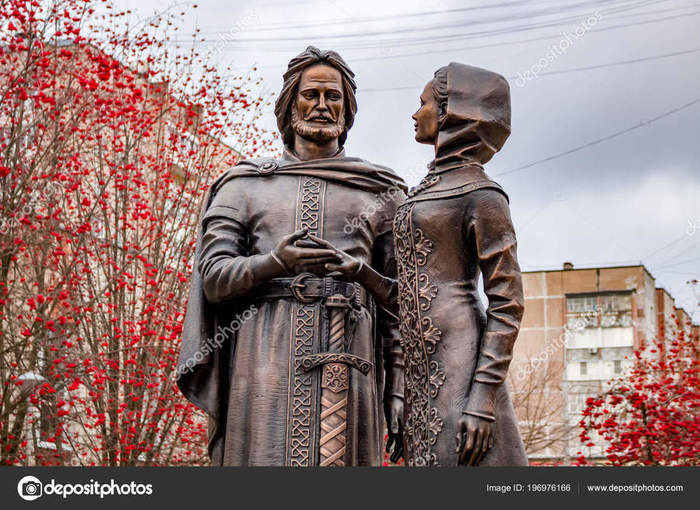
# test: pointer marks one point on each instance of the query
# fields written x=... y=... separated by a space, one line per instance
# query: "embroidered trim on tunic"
x=301 y=435
x=419 y=339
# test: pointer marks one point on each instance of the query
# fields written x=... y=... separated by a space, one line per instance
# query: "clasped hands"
x=318 y=256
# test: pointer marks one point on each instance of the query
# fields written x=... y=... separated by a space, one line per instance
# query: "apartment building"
x=580 y=329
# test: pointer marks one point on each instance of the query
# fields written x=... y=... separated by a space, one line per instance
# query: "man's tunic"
x=264 y=409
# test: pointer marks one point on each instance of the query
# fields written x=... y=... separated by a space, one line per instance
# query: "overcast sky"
x=614 y=109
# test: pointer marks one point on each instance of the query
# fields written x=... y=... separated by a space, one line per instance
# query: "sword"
x=335 y=382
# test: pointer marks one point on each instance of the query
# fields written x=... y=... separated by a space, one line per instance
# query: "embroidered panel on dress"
x=419 y=338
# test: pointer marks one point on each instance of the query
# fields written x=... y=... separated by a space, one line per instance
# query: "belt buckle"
x=297 y=285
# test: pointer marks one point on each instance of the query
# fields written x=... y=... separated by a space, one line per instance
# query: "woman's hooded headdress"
x=476 y=122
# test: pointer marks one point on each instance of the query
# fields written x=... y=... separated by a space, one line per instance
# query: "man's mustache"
x=320 y=117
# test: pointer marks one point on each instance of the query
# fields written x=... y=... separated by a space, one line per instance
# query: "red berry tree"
x=650 y=416
x=110 y=132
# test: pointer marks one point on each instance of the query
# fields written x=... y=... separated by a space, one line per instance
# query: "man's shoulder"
x=251 y=166
x=247 y=168
x=370 y=164
x=269 y=165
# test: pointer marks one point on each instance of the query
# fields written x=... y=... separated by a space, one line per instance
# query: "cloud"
x=623 y=224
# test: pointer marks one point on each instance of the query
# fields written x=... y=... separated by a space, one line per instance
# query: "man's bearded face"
x=318 y=113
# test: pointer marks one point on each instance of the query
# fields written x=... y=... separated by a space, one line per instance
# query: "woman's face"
x=427 y=118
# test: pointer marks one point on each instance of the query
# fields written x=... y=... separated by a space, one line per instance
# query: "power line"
x=675 y=241
x=685 y=273
x=481 y=46
x=562 y=71
x=341 y=21
x=622 y=62
x=520 y=41
x=600 y=140
x=587 y=265
x=677 y=263
x=670 y=258
x=436 y=39
x=548 y=11
x=507 y=31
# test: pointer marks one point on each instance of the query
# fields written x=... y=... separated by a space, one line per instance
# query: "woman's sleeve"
x=380 y=278
x=226 y=268
x=493 y=240
x=387 y=315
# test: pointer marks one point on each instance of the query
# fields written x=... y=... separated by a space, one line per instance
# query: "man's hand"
x=474 y=438
x=393 y=410
x=300 y=259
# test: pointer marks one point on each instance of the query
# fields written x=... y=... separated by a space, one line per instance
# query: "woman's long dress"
x=456 y=226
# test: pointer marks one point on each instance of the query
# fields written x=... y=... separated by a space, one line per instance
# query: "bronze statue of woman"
x=453 y=227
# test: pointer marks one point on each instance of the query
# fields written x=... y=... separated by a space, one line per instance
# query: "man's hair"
x=292 y=77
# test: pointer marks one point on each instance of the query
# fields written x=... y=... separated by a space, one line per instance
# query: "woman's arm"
x=492 y=239
x=495 y=246
x=383 y=288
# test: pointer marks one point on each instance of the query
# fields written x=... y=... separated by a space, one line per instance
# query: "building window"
x=618 y=366
x=615 y=303
x=581 y=304
x=607 y=310
x=583 y=368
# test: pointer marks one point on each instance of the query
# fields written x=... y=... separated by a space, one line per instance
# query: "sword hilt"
x=312 y=361
x=337 y=305
x=337 y=301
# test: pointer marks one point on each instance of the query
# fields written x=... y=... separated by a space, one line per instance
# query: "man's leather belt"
x=308 y=288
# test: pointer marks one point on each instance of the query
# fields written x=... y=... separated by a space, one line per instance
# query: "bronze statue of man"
x=290 y=359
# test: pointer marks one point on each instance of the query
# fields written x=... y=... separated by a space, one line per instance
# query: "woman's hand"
x=474 y=439
x=385 y=290
x=476 y=425
x=344 y=263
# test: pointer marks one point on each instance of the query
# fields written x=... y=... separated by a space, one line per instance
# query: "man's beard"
x=317 y=134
